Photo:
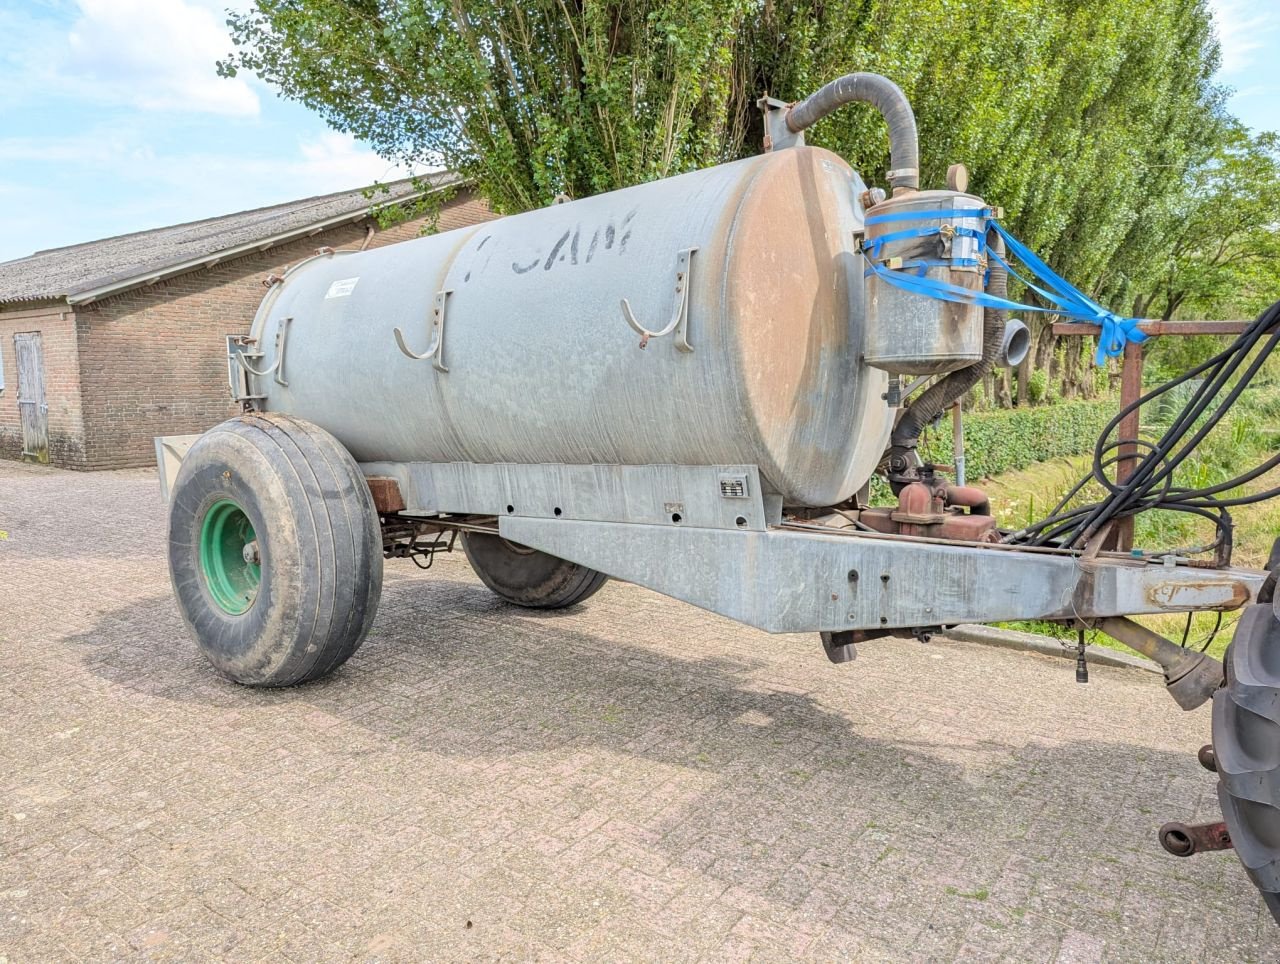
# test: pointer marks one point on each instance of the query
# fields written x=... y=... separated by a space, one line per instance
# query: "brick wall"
x=153 y=360
x=57 y=327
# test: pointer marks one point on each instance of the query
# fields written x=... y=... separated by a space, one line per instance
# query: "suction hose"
x=939 y=397
x=888 y=98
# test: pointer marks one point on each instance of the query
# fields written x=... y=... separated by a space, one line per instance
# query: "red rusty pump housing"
x=931 y=507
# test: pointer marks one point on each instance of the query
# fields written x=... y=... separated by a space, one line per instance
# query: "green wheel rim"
x=232 y=579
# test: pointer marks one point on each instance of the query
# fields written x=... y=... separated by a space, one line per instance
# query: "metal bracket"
x=679 y=315
x=777 y=135
x=238 y=352
x=435 y=351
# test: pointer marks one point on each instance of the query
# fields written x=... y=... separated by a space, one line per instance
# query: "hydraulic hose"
x=940 y=396
x=1151 y=485
x=888 y=98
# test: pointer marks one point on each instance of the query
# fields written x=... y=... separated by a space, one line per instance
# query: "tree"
x=1224 y=249
x=528 y=98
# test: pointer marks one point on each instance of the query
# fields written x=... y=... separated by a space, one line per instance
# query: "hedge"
x=1005 y=439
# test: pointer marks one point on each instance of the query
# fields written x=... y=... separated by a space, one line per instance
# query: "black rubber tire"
x=319 y=541
x=1246 y=746
x=527 y=577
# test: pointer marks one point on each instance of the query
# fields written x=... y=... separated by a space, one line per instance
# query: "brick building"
x=107 y=344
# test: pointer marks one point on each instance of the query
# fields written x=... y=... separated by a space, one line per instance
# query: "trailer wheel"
x=1246 y=748
x=528 y=577
x=275 y=553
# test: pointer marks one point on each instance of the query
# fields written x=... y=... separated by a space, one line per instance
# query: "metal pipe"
x=939 y=396
x=885 y=96
x=973 y=499
x=957 y=441
x=1190 y=677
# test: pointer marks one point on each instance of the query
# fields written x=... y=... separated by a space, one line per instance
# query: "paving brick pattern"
x=632 y=779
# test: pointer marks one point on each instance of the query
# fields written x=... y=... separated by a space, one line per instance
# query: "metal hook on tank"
x=679 y=315
x=435 y=351
x=277 y=366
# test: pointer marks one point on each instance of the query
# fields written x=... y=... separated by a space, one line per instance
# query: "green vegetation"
x=1002 y=440
x=982 y=893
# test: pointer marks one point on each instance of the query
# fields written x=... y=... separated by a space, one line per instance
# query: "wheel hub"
x=229 y=557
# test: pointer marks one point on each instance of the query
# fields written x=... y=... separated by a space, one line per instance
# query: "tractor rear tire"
x=1246 y=747
x=275 y=552
x=527 y=577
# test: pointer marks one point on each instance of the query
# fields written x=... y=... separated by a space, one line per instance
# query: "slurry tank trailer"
x=687 y=385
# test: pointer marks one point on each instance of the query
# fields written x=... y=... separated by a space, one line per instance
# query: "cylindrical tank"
x=909 y=333
x=542 y=367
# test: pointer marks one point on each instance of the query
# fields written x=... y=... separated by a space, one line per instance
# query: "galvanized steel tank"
x=542 y=366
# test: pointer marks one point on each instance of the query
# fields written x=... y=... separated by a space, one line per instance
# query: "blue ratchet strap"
x=945 y=291
x=924 y=264
x=1115 y=331
x=874 y=245
x=1113 y=327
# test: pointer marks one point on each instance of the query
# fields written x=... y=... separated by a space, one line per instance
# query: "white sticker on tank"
x=340 y=289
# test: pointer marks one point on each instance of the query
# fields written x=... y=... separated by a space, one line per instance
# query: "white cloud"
x=328 y=162
x=150 y=55
x=1243 y=27
x=156 y=55
x=340 y=160
x=109 y=179
x=120 y=123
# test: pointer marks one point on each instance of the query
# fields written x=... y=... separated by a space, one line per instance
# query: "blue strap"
x=1115 y=331
x=873 y=245
x=924 y=264
x=981 y=214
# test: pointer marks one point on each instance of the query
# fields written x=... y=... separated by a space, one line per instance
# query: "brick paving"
x=632 y=779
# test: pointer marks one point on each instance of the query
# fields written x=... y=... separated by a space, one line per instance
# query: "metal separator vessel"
x=686 y=385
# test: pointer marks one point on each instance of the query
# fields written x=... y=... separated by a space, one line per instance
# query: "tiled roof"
x=77 y=271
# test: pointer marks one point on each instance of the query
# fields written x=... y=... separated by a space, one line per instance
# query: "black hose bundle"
x=1151 y=486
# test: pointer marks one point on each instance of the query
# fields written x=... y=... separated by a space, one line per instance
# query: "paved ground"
x=630 y=780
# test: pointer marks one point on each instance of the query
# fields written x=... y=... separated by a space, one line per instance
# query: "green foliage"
x=1037 y=386
x=1222 y=254
x=1003 y=440
x=528 y=98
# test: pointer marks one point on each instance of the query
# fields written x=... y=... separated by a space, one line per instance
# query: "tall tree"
x=528 y=98
x=1223 y=247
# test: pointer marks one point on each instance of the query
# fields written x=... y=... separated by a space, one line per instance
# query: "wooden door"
x=33 y=409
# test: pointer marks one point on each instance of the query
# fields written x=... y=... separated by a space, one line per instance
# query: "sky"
x=112 y=118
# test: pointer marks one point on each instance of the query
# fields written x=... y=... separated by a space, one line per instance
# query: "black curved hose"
x=888 y=98
x=941 y=395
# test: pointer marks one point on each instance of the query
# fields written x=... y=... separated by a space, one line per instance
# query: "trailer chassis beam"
x=792 y=578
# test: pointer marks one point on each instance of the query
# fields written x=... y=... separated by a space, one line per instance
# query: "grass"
x=980 y=894
x=1249 y=435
